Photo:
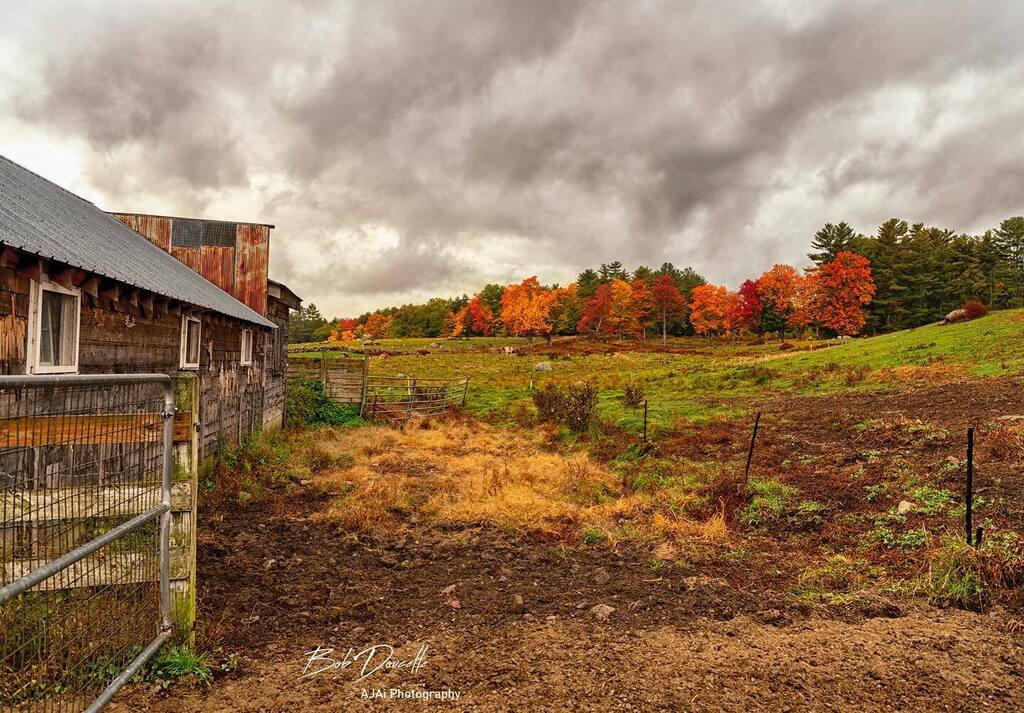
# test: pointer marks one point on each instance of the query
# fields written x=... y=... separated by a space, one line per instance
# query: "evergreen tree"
x=1009 y=244
x=830 y=241
x=612 y=271
x=587 y=283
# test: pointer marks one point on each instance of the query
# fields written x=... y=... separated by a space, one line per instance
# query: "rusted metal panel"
x=218 y=266
x=155 y=228
x=251 y=265
x=188 y=256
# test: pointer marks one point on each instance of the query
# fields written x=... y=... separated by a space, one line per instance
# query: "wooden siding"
x=126 y=338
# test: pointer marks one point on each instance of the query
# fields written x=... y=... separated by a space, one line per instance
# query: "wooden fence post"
x=183 y=513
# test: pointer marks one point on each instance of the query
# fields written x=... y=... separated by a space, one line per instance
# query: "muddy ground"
x=515 y=623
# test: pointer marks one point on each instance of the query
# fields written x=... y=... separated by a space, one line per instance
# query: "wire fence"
x=398 y=398
x=85 y=488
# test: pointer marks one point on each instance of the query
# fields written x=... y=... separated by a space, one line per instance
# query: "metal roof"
x=42 y=218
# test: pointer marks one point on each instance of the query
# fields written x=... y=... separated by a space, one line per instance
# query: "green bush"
x=306 y=404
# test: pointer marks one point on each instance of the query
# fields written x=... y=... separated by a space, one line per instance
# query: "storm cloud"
x=410 y=149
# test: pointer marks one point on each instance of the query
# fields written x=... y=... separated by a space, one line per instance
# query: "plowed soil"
x=512 y=623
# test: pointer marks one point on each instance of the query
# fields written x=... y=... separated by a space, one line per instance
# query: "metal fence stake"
x=969 y=495
x=750 y=451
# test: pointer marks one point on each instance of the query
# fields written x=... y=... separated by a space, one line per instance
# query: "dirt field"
x=520 y=616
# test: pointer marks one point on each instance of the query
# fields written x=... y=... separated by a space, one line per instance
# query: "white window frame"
x=241 y=352
x=182 y=363
x=36 y=289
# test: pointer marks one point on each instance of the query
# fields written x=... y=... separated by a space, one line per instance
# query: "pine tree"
x=1009 y=242
x=830 y=241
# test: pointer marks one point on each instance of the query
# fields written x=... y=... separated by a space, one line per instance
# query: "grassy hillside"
x=990 y=346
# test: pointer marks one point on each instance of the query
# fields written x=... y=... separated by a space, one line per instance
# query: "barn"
x=83 y=291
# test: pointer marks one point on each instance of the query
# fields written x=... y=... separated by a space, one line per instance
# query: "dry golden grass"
x=468 y=473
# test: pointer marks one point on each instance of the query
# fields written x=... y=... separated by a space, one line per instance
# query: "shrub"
x=974 y=309
x=573 y=407
x=549 y=402
x=579 y=405
x=633 y=395
x=307 y=404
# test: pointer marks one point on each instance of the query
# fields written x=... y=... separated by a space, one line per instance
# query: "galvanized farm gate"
x=85 y=535
x=399 y=398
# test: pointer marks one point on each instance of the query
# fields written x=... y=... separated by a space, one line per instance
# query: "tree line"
x=901 y=276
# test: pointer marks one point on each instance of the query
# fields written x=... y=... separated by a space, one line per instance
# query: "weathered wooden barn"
x=85 y=291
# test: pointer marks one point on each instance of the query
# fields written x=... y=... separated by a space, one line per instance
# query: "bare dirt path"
x=674 y=642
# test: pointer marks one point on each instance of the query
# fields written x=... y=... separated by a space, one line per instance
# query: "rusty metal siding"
x=217 y=264
x=188 y=256
x=251 y=265
x=154 y=228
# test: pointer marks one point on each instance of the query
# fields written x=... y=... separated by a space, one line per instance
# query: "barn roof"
x=42 y=218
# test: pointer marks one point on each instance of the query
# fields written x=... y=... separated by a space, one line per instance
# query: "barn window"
x=246 y=347
x=54 y=313
x=190 y=334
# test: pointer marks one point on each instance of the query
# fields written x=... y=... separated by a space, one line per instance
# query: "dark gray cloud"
x=412 y=148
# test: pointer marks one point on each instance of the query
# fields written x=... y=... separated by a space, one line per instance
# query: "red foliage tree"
x=668 y=301
x=751 y=306
x=596 y=311
x=480 y=317
x=842 y=288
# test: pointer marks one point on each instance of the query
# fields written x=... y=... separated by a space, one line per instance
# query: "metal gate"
x=85 y=478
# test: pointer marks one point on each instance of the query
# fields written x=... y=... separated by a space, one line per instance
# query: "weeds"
x=177 y=662
x=307 y=404
x=955 y=576
x=768 y=502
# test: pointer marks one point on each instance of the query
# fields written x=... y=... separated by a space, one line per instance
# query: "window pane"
x=192 y=342
x=49 y=313
x=69 y=309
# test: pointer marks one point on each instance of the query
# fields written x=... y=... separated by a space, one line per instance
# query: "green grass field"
x=700 y=379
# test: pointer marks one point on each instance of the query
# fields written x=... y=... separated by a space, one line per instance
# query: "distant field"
x=410 y=345
x=694 y=380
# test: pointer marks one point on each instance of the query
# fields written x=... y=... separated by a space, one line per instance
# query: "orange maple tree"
x=526 y=307
x=377 y=325
x=709 y=309
x=843 y=288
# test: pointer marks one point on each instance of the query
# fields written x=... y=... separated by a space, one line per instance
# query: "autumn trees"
x=841 y=290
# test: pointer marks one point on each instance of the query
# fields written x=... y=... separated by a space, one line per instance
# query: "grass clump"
x=955 y=575
x=178 y=662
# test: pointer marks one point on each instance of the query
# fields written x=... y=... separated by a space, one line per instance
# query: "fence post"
x=750 y=451
x=465 y=390
x=184 y=511
x=969 y=495
x=645 y=420
x=412 y=395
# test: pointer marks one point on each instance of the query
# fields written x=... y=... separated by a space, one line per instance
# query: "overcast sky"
x=412 y=149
